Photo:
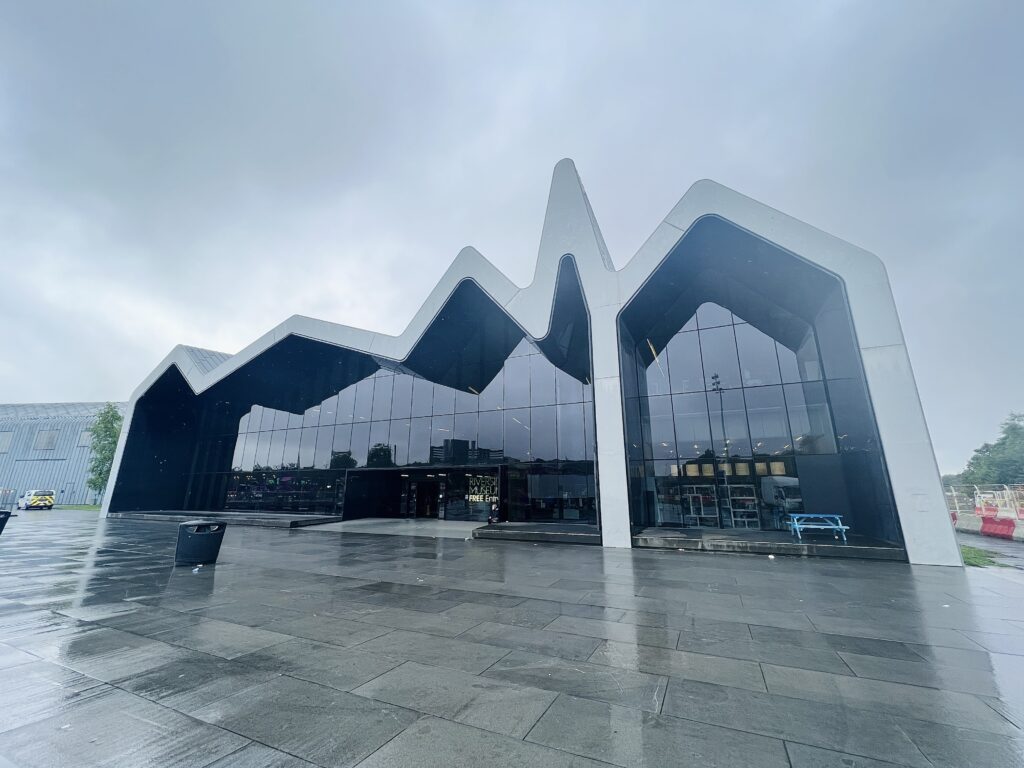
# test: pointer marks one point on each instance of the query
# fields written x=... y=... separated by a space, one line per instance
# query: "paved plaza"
x=341 y=648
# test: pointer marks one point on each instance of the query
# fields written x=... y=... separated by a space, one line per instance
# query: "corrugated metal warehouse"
x=47 y=446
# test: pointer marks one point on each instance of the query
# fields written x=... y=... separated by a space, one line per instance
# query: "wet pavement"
x=306 y=647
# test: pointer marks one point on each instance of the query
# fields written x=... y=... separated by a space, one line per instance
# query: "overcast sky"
x=195 y=172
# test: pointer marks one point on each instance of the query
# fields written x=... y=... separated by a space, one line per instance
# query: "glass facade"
x=745 y=400
x=396 y=444
x=721 y=420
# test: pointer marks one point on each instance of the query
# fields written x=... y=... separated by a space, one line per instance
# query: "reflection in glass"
x=346 y=405
x=517 y=382
x=364 y=400
x=543 y=440
x=809 y=418
x=401 y=397
x=517 y=434
x=360 y=442
x=759 y=364
x=658 y=423
x=769 y=427
x=307 y=447
x=542 y=381
x=571 y=435
x=710 y=315
x=422 y=397
x=728 y=423
x=692 y=424
x=718 y=351
x=398 y=437
x=419 y=440
x=382 y=389
x=292 y=439
x=687 y=375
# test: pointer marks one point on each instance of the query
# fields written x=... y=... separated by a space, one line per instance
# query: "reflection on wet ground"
x=304 y=647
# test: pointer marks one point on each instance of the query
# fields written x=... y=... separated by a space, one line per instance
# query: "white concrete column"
x=613 y=483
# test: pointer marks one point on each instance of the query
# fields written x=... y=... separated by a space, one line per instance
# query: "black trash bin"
x=199 y=542
x=5 y=515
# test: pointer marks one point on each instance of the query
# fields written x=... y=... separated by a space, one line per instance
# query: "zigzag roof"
x=570 y=228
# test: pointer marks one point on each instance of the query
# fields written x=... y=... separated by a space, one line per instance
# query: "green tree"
x=1001 y=461
x=105 y=431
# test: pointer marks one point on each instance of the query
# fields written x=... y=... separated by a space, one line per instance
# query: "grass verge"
x=979 y=558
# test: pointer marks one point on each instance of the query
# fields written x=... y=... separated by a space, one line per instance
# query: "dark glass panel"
x=466 y=402
x=465 y=426
x=341 y=450
x=517 y=382
x=492 y=397
x=851 y=413
x=490 y=435
x=517 y=434
x=380 y=453
x=668 y=509
x=634 y=431
x=543 y=434
x=236 y=459
x=728 y=423
x=444 y=400
x=441 y=429
x=324 y=444
x=328 y=412
x=568 y=388
x=419 y=440
x=360 y=442
x=662 y=444
x=249 y=452
x=347 y=405
x=307 y=447
x=267 y=423
x=399 y=439
x=382 y=388
x=364 y=399
x=788 y=365
x=290 y=460
x=590 y=431
x=572 y=441
x=710 y=315
x=262 y=449
x=656 y=375
x=718 y=352
x=281 y=420
x=801 y=364
x=766 y=415
x=542 y=381
x=759 y=364
x=809 y=418
x=277 y=442
x=401 y=399
x=691 y=324
x=524 y=347
x=692 y=422
x=684 y=363
x=422 y=397
x=311 y=417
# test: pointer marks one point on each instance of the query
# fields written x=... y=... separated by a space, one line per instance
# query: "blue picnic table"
x=802 y=521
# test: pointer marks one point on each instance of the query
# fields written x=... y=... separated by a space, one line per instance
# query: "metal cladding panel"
x=63 y=468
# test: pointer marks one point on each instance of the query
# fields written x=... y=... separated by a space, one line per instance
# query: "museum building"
x=742 y=376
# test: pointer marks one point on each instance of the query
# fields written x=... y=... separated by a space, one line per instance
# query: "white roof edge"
x=569 y=228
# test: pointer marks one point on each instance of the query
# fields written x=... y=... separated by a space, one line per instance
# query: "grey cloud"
x=197 y=172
